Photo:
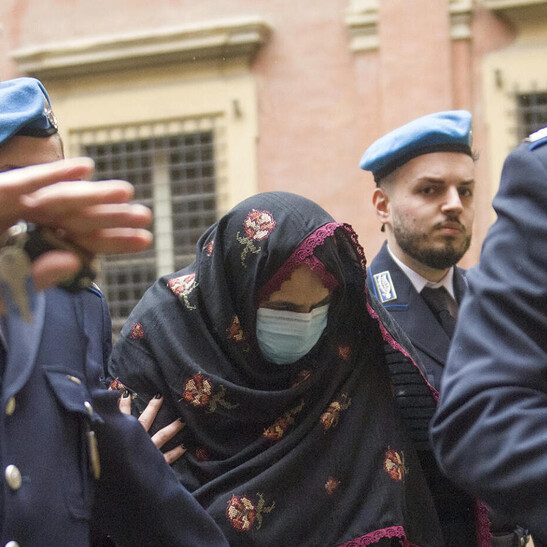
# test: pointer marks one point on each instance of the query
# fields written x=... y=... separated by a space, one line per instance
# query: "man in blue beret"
x=74 y=468
x=490 y=430
x=424 y=172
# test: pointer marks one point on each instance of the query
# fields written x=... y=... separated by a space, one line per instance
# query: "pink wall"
x=319 y=104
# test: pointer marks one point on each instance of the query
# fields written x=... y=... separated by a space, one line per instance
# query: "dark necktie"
x=443 y=306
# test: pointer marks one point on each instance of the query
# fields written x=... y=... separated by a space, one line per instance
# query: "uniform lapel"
x=409 y=310
x=460 y=284
x=23 y=341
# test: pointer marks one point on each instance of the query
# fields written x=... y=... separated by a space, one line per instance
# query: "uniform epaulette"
x=537 y=139
x=94 y=288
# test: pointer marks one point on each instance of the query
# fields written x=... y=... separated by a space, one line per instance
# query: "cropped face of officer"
x=427 y=208
x=22 y=151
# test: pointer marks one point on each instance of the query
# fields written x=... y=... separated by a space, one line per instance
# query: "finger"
x=119 y=215
x=167 y=433
x=149 y=414
x=173 y=455
x=54 y=267
x=124 y=403
x=115 y=241
x=30 y=179
x=63 y=198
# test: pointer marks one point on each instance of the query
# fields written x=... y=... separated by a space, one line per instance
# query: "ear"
x=380 y=200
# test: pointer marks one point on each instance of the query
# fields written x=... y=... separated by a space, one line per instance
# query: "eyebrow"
x=435 y=180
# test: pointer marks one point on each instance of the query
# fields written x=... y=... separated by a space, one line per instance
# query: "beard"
x=416 y=245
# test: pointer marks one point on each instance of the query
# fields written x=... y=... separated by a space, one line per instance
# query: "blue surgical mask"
x=286 y=336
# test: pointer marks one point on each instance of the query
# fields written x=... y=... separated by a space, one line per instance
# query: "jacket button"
x=10 y=406
x=12 y=544
x=13 y=477
x=89 y=408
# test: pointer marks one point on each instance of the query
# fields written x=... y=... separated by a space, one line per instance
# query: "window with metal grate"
x=176 y=176
x=531 y=112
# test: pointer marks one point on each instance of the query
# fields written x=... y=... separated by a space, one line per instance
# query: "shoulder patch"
x=94 y=288
x=537 y=139
x=384 y=286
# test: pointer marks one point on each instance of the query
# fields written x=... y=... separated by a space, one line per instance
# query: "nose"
x=453 y=202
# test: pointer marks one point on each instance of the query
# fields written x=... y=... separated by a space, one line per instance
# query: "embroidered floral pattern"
x=237 y=334
x=117 y=385
x=301 y=377
x=242 y=513
x=344 y=352
x=278 y=429
x=208 y=248
x=199 y=392
x=331 y=485
x=202 y=454
x=394 y=464
x=182 y=287
x=330 y=417
x=136 y=332
x=258 y=225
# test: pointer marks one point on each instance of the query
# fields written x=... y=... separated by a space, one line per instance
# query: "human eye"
x=427 y=190
x=280 y=306
x=466 y=192
x=323 y=302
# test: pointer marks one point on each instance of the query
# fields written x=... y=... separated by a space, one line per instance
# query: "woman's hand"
x=147 y=419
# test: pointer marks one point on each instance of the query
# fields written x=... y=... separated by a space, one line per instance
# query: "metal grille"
x=176 y=176
x=532 y=113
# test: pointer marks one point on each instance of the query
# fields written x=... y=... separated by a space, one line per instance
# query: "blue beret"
x=440 y=132
x=25 y=109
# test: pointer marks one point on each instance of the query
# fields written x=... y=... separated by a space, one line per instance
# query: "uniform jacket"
x=411 y=312
x=52 y=407
x=495 y=383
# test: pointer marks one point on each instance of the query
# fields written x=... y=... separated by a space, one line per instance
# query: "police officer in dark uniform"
x=490 y=430
x=70 y=468
x=424 y=173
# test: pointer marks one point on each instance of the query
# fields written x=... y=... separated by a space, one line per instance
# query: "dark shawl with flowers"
x=310 y=454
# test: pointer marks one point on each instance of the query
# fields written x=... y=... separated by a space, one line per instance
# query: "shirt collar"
x=419 y=282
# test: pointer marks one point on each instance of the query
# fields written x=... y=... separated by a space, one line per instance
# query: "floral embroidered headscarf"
x=313 y=453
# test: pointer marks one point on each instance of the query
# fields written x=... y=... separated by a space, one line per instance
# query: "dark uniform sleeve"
x=139 y=501
x=490 y=430
x=138 y=498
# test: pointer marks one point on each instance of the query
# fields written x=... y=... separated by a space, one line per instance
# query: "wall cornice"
x=221 y=41
x=362 y=23
x=461 y=12
x=498 y=5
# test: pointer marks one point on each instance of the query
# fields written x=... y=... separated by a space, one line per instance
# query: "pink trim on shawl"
x=385 y=334
x=395 y=345
x=377 y=535
x=303 y=255
x=482 y=520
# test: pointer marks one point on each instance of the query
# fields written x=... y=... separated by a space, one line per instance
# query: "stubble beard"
x=417 y=246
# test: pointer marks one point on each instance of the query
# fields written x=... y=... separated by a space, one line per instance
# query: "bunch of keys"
x=24 y=243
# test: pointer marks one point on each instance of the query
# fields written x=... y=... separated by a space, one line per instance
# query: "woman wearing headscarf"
x=285 y=372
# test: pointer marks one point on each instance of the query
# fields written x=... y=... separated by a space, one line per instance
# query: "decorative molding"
x=461 y=12
x=218 y=41
x=362 y=22
x=498 y=5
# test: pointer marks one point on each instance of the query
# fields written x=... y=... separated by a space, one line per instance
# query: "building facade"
x=201 y=104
